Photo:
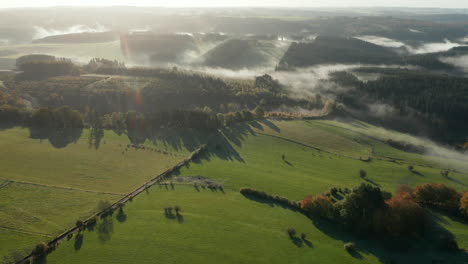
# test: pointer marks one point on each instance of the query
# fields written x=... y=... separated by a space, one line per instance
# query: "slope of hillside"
x=243 y=53
x=329 y=50
x=286 y=158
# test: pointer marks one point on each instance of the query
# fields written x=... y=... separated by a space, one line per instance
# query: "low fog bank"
x=461 y=62
x=433 y=149
x=42 y=32
x=421 y=49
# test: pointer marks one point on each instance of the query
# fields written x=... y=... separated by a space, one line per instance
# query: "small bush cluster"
x=350 y=247
x=445 y=173
x=291 y=232
x=263 y=195
x=40 y=250
x=319 y=206
x=362 y=174
x=437 y=195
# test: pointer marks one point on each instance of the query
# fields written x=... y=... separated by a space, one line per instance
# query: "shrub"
x=350 y=247
x=291 y=232
x=40 y=250
x=362 y=173
x=319 y=206
x=445 y=173
x=464 y=205
x=410 y=167
x=438 y=195
x=404 y=188
x=79 y=224
x=334 y=190
x=359 y=207
x=403 y=216
x=303 y=236
x=177 y=209
x=263 y=195
x=92 y=221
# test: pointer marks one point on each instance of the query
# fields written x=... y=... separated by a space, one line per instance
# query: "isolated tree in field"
x=303 y=236
x=291 y=232
x=362 y=173
x=445 y=173
x=350 y=247
x=410 y=167
x=177 y=209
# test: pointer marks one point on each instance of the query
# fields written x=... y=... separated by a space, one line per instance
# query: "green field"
x=44 y=190
x=81 y=52
x=226 y=227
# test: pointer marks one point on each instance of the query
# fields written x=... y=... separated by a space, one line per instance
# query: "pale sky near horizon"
x=239 y=3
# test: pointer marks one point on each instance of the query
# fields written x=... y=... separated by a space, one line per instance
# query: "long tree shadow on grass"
x=121 y=216
x=40 y=260
x=105 y=228
x=78 y=241
x=426 y=249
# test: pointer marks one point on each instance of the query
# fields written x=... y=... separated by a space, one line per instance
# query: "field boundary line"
x=306 y=145
x=56 y=241
x=24 y=231
x=59 y=187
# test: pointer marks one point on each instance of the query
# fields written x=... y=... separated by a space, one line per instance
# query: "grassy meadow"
x=226 y=227
x=44 y=190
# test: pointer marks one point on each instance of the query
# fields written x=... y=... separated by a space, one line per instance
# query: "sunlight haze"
x=240 y=3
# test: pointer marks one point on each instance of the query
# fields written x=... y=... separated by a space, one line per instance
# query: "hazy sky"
x=214 y=3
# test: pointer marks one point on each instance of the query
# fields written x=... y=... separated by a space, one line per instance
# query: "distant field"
x=82 y=52
x=44 y=190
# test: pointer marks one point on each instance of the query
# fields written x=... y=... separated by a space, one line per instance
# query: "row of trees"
x=38 y=70
x=61 y=126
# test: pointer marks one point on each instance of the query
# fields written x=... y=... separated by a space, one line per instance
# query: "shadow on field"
x=435 y=246
x=456 y=181
x=40 y=260
x=121 y=216
x=270 y=124
x=105 y=228
x=418 y=173
x=78 y=241
x=58 y=137
x=270 y=203
x=420 y=250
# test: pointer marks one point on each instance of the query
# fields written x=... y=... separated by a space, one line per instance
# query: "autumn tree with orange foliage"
x=464 y=205
x=319 y=206
x=402 y=217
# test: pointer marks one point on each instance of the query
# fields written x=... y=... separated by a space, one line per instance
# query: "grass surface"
x=14 y=241
x=217 y=227
x=44 y=190
x=77 y=166
x=225 y=227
